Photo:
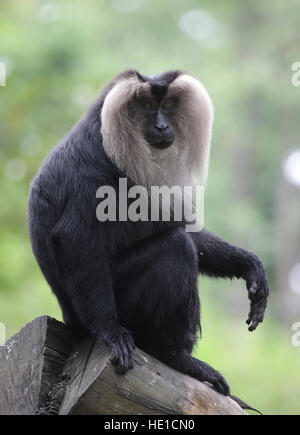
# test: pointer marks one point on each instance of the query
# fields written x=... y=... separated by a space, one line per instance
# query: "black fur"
x=160 y=83
x=127 y=282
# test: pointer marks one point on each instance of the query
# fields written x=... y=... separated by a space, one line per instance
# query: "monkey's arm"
x=87 y=282
x=218 y=258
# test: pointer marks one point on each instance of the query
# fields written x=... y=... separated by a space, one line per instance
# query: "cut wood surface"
x=44 y=371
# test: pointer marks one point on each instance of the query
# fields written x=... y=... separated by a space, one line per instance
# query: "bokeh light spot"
x=49 y=12
x=127 y=5
x=294 y=279
x=15 y=169
x=291 y=168
x=30 y=145
x=198 y=24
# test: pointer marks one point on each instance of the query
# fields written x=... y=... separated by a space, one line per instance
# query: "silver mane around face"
x=186 y=161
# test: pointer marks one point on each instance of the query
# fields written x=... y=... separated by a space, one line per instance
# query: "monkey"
x=135 y=283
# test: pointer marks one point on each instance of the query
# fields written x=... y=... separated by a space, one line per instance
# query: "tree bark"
x=43 y=370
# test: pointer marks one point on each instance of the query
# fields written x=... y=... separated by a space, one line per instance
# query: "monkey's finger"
x=130 y=345
x=115 y=361
x=130 y=353
x=253 y=325
x=221 y=385
x=256 y=316
x=120 y=368
x=118 y=361
x=115 y=356
x=130 y=361
x=251 y=313
x=259 y=317
x=125 y=357
x=127 y=341
x=259 y=307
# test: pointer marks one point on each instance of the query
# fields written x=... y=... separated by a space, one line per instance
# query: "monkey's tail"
x=244 y=405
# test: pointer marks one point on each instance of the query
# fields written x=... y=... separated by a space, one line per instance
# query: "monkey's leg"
x=69 y=315
x=44 y=249
x=157 y=299
x=87 y=296
x=185 y=363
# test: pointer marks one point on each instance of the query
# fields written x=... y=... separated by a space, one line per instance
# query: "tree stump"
x=43 y=370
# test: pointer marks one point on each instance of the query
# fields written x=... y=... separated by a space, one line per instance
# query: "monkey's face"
x=142 y=115
x=157 y=125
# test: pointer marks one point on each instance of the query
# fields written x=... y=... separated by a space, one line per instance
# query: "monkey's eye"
x=149 y=105
x=170 y=104
x=166 y=105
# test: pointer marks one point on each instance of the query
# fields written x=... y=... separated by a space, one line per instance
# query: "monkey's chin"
x=161 y=145
x=160 y=153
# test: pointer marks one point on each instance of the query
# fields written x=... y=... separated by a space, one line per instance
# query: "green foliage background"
x=58 y=55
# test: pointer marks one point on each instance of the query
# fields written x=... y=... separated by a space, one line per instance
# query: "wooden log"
x=44 y=371
x=31 y=362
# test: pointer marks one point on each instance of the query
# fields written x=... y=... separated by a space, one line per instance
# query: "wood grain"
x=43 y=370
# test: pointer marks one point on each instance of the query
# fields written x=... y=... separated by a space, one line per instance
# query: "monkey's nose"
x=161 y=126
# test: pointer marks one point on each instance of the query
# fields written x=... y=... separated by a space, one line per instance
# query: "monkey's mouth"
x=160 y=139
x=162 y=144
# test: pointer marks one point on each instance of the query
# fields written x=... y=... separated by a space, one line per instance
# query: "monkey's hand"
x=258 y=292
x=121 y=342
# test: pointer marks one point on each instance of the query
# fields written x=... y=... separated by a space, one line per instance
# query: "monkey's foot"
x=206 y=373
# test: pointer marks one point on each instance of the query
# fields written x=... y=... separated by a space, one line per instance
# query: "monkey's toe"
x=212 y=376
x=221 y=385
